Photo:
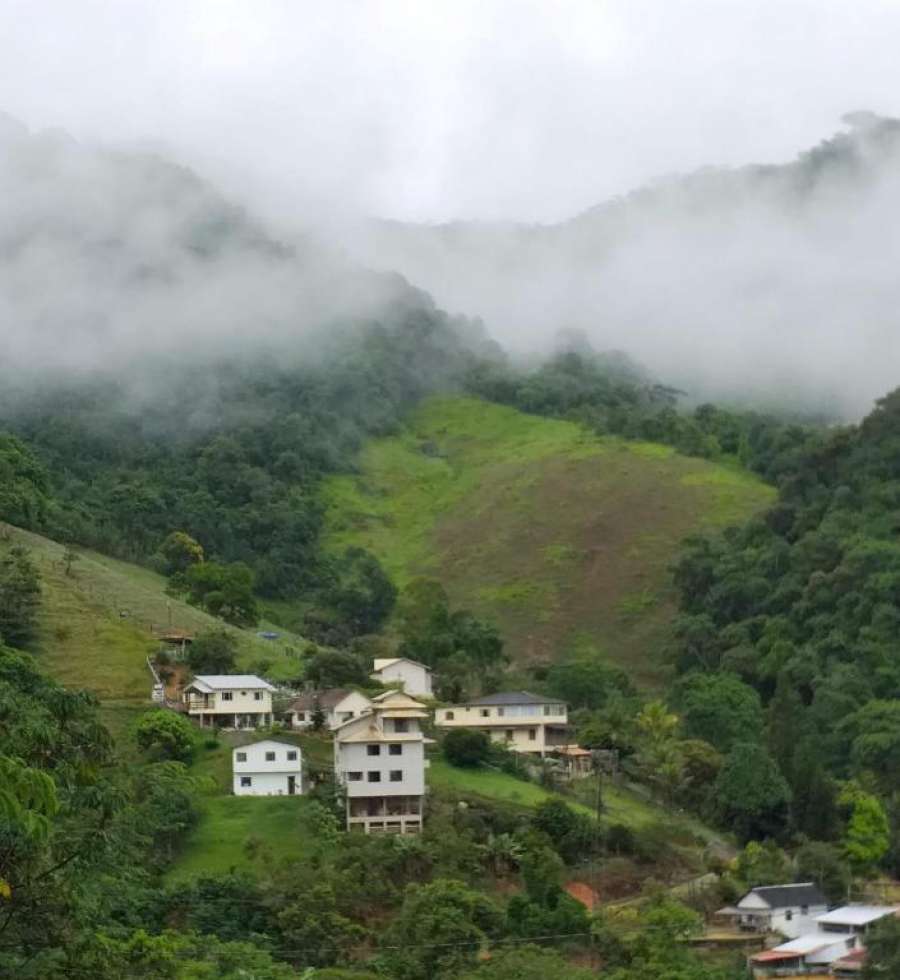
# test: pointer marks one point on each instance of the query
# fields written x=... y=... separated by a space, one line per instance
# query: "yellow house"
x=524 y=722
x=229 y=701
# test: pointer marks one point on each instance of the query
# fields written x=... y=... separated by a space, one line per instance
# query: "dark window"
x=485 y=712
x=241 y=756
x=246 y=781
x=401 y=725
x=500 y=712
x=532 y=734
x=448 y=716
x=292 y=756
x=270 y=756
x=789 y=915
x=354 y=777
x=301 y=716
x=374 y=777
x=227 y=695
x=257 y=695
x=373 y=749
x=396 y=775
x=509 y=734
x=804 y=910
x=395 y=749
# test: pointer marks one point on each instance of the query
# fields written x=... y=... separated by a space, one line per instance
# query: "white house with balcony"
x=379 y=759
x=229 y=701
x=337 y=705
x=267 y=768
x=413 y=676
x=524 y=722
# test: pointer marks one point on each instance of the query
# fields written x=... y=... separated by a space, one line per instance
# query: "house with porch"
x=269 y=767
x=229 y=701
x=337 y=704
x=525 y=722
x=379 y=760
x=790 y=910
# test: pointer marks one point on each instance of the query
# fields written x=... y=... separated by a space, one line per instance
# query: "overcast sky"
x=443 y=109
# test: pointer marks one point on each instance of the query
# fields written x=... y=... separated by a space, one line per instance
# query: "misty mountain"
x=774 y=283
x=127 y=262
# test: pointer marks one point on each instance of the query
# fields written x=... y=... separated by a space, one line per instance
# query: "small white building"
x=337 y=704
x=267 y=768
x=229 y=701
x=379 y=759
x=854 y=920
x=791 y=910
x=524 y=722
x=415 y=677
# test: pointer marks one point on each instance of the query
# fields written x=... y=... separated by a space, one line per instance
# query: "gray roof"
x=513 y=697
x=785 y=896
x=325 y=699
x=228 y=682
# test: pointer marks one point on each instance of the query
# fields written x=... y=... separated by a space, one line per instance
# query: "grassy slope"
x=620 y=806
x=562 y=537
x=95 y=626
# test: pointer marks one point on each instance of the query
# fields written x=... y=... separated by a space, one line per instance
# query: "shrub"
x=466 y=748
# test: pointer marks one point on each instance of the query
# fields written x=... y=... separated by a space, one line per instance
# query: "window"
x=240 y=757
x=243 y=694
x=548 y=709
x=396 y=775
x=395 y=749
x=532 y=734
x=354 y=777
x=257 y=695
x=292 y=756
x=227 y=695
x=270 y=756
x=301 y=716
x=789 y=915
x=401 y=725
x=485 y=712
x=804 y=910
x=373 y=749
x=500 y=712
x=374 y=776
x=246 y=780
x=509 y=734
x=448 y=716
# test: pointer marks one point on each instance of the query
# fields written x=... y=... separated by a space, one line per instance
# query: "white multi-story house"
x=523 y=721
x=415 y=677
x=229 y=701
x=337 y=704
x=267 y=768
x=791 y=910
x=379 y=759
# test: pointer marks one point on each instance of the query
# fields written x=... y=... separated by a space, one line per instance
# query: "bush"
x=172 y=735
x=466 y=748
x=213 y=652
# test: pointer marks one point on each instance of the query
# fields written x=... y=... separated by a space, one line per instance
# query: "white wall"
x=352 y=706
x=266 y=784
x=416 y=679
x=243 y=701
x=798 y=925
x=354 y=757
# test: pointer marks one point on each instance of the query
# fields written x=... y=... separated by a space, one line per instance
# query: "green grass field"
x=563 y=538
x=620 y=806
x=95 y=626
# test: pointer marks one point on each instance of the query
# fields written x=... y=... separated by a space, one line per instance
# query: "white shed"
x=267 y=768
